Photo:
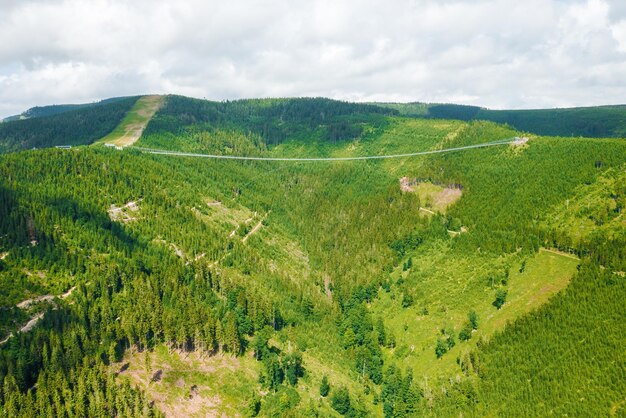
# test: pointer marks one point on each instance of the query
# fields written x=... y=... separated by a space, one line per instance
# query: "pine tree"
x=500 y=298
x=231 y=334
x=473 y=319
x=340 y=401
x=441 y=348
x=324 y=386
x=349 y=339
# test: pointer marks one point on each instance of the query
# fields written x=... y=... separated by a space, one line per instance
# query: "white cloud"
x=497 y=53
x=619 y=33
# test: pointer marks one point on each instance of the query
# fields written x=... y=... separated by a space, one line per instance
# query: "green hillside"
x=484 y=282
x=51 y=126
x=42 y=111
x=593 y=122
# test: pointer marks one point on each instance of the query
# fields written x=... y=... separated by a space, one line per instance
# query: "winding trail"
x=255 y=229
x=296 y=159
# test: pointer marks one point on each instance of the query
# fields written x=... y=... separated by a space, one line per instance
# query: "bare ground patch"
x=446 y=197
x=25 y=304
x=182 y=388
x=405 y=185
x=255 y=228
x=126 y=213
x=433 y=197
x=33 y=321
x=518 y=142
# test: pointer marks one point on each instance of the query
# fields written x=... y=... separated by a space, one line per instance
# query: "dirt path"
x=232 y=234
x=255 y=229
x=246 y=222
x=123 y=213
x=33 y=321
x=48 y=298
x=25 y=304
x=568 y=255
x=252 y=231
x=68 y=293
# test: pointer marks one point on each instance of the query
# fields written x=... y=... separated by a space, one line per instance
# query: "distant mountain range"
x=50 y=110
x=594 y=121
x=82 y=124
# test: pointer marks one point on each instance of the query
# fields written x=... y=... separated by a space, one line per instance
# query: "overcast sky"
x=499 y=54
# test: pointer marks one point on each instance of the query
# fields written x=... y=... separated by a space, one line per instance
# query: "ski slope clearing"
x=135 y=121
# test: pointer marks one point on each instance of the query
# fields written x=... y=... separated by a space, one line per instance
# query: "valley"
x=429 y=284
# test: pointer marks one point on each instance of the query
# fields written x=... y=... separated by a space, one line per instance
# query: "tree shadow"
x=96 y=220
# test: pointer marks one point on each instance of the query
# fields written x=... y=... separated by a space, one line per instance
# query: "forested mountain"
x=594 y=122
x=480 y=282
x=50 y=126
x=41 y=111
x=274 y=120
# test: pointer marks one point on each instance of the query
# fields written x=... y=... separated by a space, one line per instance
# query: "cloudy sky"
x=494 y=53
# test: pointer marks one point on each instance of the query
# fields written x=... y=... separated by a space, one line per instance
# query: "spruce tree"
x=324 y=386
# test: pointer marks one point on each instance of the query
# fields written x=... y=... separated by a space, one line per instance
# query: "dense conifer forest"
x=483 y=282
x=41 y=111
x=50 y=126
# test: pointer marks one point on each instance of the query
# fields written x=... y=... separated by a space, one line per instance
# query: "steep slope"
x=132 y=126
x=567 y=357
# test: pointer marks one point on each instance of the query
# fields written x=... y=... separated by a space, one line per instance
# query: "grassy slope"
x=131 y=127
x=565 y=359
x=449 y=286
